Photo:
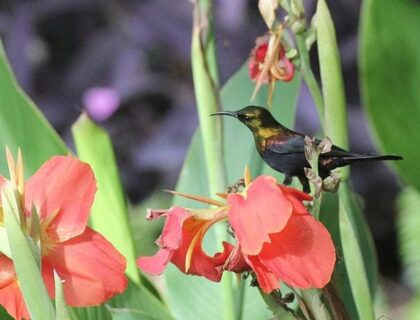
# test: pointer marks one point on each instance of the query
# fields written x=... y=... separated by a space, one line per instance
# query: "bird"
x=284 y=149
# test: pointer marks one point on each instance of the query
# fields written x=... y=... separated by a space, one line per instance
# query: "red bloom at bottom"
x=277 y=239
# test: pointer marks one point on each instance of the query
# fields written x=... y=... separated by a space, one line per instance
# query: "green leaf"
x=413 y=309
x=4 y=243
x=60 y=304
x=31 y=283
x=390 y=77
x=141 y=300
x=239 y=151
x=355 y=274
x=109 y=214
x=408 y=224
x=4 y=315
x=22 y=124
x=354 y=277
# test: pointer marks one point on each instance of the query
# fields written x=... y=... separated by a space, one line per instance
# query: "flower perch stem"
x=277 y=307
x=309 y=77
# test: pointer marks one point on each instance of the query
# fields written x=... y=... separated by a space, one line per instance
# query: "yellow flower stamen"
x=197 y=198
x=200 y=235
x=16 y=170
x=20 y=177
x=247 y=176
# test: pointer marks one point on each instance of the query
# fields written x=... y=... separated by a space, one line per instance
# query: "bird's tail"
x=371 y=157
x=338 y=158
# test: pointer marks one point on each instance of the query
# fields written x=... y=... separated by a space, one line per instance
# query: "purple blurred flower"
x=101 y=102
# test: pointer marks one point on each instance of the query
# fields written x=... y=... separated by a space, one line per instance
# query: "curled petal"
x=92 y=270
x=201 y=264
x=180 y=243
x=10 y=295
x=262 y=211
x=302 y=255
x=266 y=279
x=236 y=261
x=156 y=264
x=169 y=241
x=171 y=236
x=295 y=193
x=65 y=187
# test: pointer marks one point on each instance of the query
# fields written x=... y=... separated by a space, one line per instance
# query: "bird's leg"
x=287 y=180
x=305 y=184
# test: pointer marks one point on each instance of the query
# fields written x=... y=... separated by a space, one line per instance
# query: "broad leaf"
x=22 y=124
x=109 y=214
x=390 y=77
x=408 y=224
x=349 y=229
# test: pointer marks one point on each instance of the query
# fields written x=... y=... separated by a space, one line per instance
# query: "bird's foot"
x=287 y=180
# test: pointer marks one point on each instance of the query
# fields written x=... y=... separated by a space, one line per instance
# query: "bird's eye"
x=247 y=118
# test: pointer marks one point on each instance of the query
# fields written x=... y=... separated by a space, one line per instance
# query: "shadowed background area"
x=139 y=51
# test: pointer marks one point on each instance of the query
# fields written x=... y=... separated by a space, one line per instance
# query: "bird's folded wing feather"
x=296 y=144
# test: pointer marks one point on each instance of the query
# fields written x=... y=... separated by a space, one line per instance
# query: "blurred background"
x=130 y=68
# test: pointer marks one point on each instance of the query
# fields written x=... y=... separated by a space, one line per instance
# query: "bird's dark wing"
x=286 y=145
x=296 y=144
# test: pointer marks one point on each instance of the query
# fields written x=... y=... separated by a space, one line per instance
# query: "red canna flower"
x=91 y=269
x=280 y=68
x=279 y=238
x=276 y=237
x=180 y=243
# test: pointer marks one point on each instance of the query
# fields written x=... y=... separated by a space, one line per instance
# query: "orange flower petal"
x=92 y=270
x=262 y=211
x=181 y=227
x=156 y=264
x=302 y=255
x=202 y=264
x=10 y=295
x=12 y=300
x=171 y=236
x=266 y=279
x=65 y=184
x=169 y=241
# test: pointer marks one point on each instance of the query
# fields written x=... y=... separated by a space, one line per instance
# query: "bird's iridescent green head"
x=254 y=117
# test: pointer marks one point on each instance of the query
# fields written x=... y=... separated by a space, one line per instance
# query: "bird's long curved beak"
x=225 y=113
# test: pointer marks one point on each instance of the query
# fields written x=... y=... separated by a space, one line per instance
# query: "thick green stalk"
x=336 y=128
x=309 y=77
x=335 y=112
x=205 y=76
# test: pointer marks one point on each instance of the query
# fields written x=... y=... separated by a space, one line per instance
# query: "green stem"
x=309 y=77
x=205 y=76
x=241 y=299
x=275 y=307
x=335 y=113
